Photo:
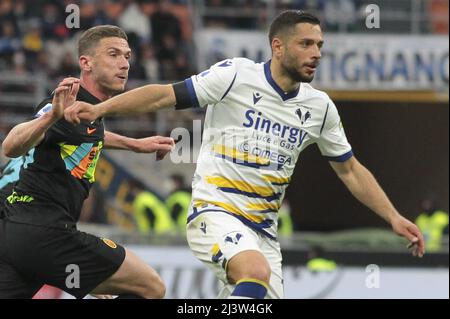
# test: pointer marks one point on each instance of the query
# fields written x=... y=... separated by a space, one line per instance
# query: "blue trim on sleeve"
x=192 y=94
x=324 y=119
x=341 y=158
x=229 y=88
x=284 y=96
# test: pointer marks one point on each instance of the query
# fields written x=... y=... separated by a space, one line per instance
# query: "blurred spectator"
x=7 y=13
x=433 y=222
x=149 y=211
x=167 y=39
x=88 y=15
x=34 y=37
x=438 y=11
x=33 y=43
x=19 y=63
x=340 y=15
x=317 y=263
x=149 y=62
x=67 y=67
x=134 y=20
x=53 y=24
x=178 y=202
x=137 y=70
x=164 y=24
x=285 y=225
x=111 y=11
x=9 y=44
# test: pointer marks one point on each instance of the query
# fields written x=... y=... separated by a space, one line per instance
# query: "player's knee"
x=259 y=272
x=262 y=273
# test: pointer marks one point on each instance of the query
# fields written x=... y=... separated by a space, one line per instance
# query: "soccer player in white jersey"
x=260 y=117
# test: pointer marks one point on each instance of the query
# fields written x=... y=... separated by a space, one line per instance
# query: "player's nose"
x=316 y=53
x=124 y=64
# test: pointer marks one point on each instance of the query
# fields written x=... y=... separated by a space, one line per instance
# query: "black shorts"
x=31 y=256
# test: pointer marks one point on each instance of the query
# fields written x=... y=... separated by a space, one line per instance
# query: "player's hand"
x=159 y=144
x=79 y=111
x=411 y=232
x=64 y=96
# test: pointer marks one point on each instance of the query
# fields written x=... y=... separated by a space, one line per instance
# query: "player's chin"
x=118 y=88
x=305 y=76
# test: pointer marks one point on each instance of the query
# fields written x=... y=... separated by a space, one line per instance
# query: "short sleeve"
x=212 y=85
x=332 y=142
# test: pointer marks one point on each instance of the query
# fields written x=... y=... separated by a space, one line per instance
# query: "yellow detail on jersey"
x=231 y=209
x=67 y=150
x=237 y=155
x=234 y=210
x=215 y=249
x=199 y=203
x=240 y=185
x=274 y=207
x=276 y=180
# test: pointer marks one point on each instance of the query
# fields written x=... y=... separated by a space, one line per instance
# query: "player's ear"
x=85 y=63
x=277 y=47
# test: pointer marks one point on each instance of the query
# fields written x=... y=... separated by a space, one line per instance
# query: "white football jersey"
x=253 y=135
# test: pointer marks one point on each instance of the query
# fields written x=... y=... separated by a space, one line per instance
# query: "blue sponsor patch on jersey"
x=47 y=108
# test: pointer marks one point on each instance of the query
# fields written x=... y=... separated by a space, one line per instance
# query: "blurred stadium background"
x=391 y=85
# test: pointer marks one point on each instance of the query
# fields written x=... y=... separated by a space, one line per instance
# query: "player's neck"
x=281 y=79
x=93 y=88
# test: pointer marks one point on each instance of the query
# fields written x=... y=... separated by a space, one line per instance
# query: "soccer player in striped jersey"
x=260 y=116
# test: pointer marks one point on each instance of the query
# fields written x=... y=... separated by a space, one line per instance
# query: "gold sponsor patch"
x=110 y=243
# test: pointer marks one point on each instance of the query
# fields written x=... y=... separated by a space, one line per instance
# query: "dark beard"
x=296 y=76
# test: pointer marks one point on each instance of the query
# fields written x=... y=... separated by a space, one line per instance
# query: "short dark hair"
x=287 y=20
x=91 y=37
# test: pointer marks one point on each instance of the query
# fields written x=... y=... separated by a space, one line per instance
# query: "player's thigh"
x=272 y=255
x=133 y=276
x=216 y=237
x=13 y=284
x=68 y=259
x=212 y=238
x=272 y=251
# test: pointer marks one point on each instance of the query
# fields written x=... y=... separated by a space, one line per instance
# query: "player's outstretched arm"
x=147 y=98
x=363 y=185
x=26 y=135
x=159 y=144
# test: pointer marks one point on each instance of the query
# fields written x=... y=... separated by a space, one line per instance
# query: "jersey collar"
x=85 y=96
x=284 y=95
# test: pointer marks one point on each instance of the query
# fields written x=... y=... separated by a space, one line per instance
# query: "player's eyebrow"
x=309 y=40
x=312 y=40
x=119 y=50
